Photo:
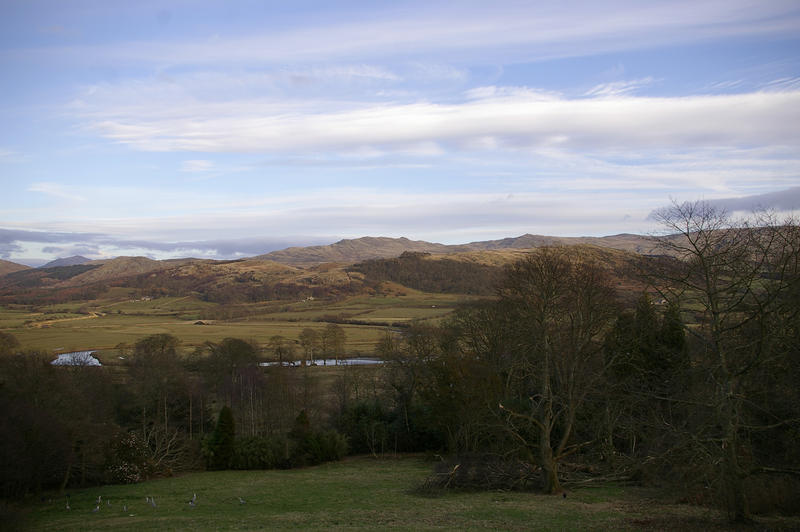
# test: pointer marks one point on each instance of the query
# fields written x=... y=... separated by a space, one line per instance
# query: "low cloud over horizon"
x=507 y=216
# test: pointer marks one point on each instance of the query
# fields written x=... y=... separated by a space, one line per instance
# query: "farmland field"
x=105 y=323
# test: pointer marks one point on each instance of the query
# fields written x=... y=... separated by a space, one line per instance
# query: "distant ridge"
x=10 y=267
x=67 y=261
x=355 y=250
x=360 y=249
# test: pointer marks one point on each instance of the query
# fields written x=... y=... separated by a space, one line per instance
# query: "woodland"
x=566 y=366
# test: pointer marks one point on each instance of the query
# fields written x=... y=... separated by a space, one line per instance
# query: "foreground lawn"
x=357 y=494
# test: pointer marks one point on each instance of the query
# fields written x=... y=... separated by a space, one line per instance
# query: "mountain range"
x=347 y=251
x=359 y=249
x=356 y=266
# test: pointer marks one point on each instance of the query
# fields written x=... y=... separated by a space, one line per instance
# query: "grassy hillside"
x=360 y=494
x=355 y=250
x=7 y=267
x=477 y=272
x=367 y=248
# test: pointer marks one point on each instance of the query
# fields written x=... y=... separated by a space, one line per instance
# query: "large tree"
x=737 y=274
x=560 y=303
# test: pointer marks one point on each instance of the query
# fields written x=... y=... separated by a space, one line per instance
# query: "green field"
x=358 y=494
x=103 y=324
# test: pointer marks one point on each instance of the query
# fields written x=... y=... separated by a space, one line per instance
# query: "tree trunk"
x=550 y=482
x=738 y=509
x=735 y=497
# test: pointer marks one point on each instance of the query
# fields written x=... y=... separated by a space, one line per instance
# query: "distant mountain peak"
x=67 y=261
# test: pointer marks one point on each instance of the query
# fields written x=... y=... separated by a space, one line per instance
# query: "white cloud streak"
x=56 y=190
x=197 y=166
x=353 y=212
x=511 y=119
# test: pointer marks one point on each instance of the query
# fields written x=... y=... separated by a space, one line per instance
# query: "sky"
x=223 y=129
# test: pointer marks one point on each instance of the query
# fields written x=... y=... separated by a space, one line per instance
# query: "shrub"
x=366 y=427
x=315 y=447
x=127 y=459
x=262 y=452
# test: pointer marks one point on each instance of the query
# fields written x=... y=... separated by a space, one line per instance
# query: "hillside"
x=366 y=248
x=347 y=267
x=356 y=250
x=477 y=272
x=120 y=267
x=623 y=242
x=244 y=280
x=7 y=267
x=67 y=261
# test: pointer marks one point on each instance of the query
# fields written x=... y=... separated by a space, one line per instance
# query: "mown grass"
x=359 y=494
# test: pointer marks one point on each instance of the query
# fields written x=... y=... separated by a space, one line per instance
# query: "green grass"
x=361 y=494
x=358 y=494
x=123 y=320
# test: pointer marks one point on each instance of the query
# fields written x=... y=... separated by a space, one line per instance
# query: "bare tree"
x=309 y=339
x=282 y=349
x=333 y=339
x=561 y=304
x=735 y=273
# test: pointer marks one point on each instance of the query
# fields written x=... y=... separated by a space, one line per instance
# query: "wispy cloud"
x=619 y=88
x=783 y=84
x=197 y=166
x=56 y=190
x=513 y=117
x=516 y=31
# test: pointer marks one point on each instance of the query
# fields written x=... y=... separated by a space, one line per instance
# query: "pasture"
x=359 y=493
x=117 y=319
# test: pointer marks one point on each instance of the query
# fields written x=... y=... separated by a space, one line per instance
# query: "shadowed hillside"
x=7 y=267
x=477 y=272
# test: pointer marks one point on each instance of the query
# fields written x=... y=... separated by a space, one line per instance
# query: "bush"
x=127 y=459
x=262 y=452
x=366 y=427
x=315 y=447
x=326 y=446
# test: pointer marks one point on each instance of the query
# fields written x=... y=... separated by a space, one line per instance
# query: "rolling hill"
x=7 y=267
x=345 y=268
x=67 y=261
x=365 y=248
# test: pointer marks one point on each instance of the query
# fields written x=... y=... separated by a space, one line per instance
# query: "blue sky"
x=225 y=129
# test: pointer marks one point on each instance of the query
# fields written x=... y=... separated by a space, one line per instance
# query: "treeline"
x=159 y=414
x=414 y=270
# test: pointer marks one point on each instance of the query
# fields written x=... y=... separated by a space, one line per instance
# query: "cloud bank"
x=519 y=118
